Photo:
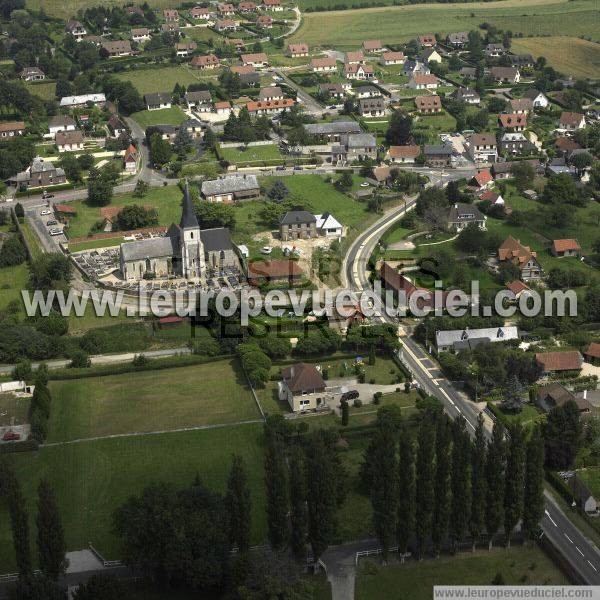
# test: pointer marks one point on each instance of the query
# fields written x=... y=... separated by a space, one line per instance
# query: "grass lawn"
x=252 y=154
x=591 y=476
x=519 y=566
x=347 y=29
x=44 y=90
x=166 y=201
x=12 y=281
x=13 y=410
x=159 y=79
x=571 y=55
x=150 y=401
x=104 y=243
x=164 y=116
x=528 y=415
x=33 y=242
x=89 y=320
x=91 y=479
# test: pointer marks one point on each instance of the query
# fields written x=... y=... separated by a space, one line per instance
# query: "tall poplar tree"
x=298 y=514
x=424 y=483
x=514 y=480
x=534 y=485
x=276 y=480
x=405 y=528
x=441 y=511
x=478 y=483
x=52 y=547
x=238 y=505
x=494 y=474
x=461 y=481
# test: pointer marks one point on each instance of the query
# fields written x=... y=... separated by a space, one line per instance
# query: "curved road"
x=580 y=552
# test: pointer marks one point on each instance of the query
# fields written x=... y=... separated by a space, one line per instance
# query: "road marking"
x=578 y=550
x=591 y=565
x=568 y=537
x=551 y=519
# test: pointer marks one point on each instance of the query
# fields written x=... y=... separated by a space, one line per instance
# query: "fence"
x=248 y=145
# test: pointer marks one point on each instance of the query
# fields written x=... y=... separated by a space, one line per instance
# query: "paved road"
x=580 y=552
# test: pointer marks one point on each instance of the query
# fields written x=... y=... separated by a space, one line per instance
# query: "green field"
x=70 y=7
x=518 y=566
x=44 y=90
x=166 y=201
x=159 y=79
x=252 y=154
x=591 y=477
x=569 y=55
x=347 y=29
x=150 y=401
x=12 y=281
x=91 y=479
x=164 y=116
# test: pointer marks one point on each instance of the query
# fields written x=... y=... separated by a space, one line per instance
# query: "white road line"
x=591 y=565
x=578 y=550
x=568 y=537
x=551 y=519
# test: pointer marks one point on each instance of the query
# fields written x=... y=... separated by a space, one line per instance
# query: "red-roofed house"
x=483 y=179
x=567 y=247
x=393 y=58
x=553 y=362
x=295 y=50
x=265 y=271
x=257 y=60
x=130 y=159
x=592 y=354
x=204 y=61
x=403 y=154
x=269 y=107
x=518 y=288
x=426 y=41
x=522 y=257
x=373 y=46
x=513 y=121
x=423 y=82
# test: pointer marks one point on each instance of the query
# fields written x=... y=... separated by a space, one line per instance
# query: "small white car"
x=266 y=250
x=45 y=212
x=364 y=184
x=56 y=231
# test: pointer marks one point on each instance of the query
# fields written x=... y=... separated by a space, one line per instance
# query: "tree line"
x=445 y=488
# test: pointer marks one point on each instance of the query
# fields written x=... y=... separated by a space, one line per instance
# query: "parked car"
x=266 y=250
x=45 y=212
x=52 y=222
x=46 y=195
x=11 y=436
x=350 y=395
x=56 y=231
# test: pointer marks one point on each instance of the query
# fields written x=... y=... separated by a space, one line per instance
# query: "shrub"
x=357 y=403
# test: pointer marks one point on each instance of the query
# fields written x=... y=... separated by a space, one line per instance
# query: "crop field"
x=160 y=79
x=150 y=401
x=572 y=55
x=348 y=29
x=69 y=8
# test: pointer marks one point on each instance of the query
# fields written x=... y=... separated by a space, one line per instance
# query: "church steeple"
x=188 y=215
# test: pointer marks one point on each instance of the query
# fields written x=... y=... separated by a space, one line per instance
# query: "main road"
x=576 y=549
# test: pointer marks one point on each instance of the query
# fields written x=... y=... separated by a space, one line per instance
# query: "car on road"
x=49 y=223
x=297 y=168
x=56 y=231
x=45 y=212
x=280 y=168
x=349 y=395
x=46 y=194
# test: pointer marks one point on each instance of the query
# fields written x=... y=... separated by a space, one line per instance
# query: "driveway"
x=366 y=391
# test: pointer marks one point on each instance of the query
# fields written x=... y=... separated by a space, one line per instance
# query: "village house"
x=371 y=107
x=323 y=65
x=462 y=215
x=328 y=226
x=483 y=179
x=571 y=121
x=431 y=55
x=355 y=147
x=515 y=143
x=233 y=188
x=297 y=50
x=204 y=61
x=354 y=58
x=556 y=395
x=297 y=224
x=557 y=362
x=270 y=93
x=274 y=5
x=428 y=105
x=200 y=13
x=69 y=141
x=40 y=173
x=358 y=72
x=302 y=387
x=222 y=108
x=566 y=247
x=468 y=73
x=521 y=60
x=157 y=100
x=513 y=122
x=115 y=125
x=367 y=91
x=61 y=123
x=423 y=82
x=372 y=46
x=246 y=7
x=518 y=288
x=482 y=148
x=458 y=40
x=522 y=257
x=583 y=496
x=539 y=99
x=404 y=155
x=257 y=60
x=503 y=170
x=392 y=58
x=194 y=128
x=505 y=74
x=269 y=107
x=265 y=22
x=333 y=131
x=334 y=90
x=237 y=43
x=456 y=340
x=83 y=100
x=438 y=155
x=170 y=15
x=32 y=74
x=130 y=159
x=592 y=353
x=467 y=95
x=494 y=198
x=76 y=29
x=200 y=100
x=415 y=67
x=185 y=48
x=521 y=106
x=494 y=50
x=565 y=145
x=225 y=9
x=113 y=48
x=140 y=34
x=12 y=129
x=426 y=41
x=169 y=27
x=272 y=271
x=226 y=25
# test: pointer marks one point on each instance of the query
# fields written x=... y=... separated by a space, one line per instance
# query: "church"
x=185 y=251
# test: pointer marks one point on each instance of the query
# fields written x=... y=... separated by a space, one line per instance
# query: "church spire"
x=188 y=215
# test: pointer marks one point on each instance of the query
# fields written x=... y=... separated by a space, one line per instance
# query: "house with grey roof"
x=331 y=132
x=200 y=100
x=462 y=215
x=467 y=339
x=40 y=173
x=297 y=224
x=232 y=188
x=359 y=146
x=157 y=100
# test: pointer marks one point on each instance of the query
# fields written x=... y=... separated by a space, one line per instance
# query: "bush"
x=357 y=403
x=140 y=360
x=377 y=397
x=80 y=360
x=22 y=370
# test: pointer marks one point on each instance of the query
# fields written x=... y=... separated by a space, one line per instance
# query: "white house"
x=60 y=123
x=329 y=226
